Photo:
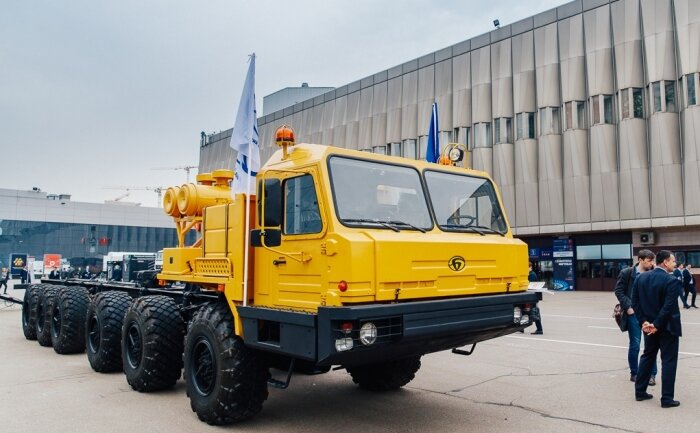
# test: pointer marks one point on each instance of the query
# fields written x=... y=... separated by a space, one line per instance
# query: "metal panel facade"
x=586 y=115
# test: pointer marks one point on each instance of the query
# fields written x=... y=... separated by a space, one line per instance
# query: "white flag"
x=244 y=139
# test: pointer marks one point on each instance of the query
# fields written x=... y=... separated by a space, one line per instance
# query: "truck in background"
x=129 y=262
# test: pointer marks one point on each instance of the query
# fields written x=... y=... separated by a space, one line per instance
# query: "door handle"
x=278 y=262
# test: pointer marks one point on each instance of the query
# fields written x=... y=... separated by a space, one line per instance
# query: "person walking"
x=4 y=276
x=689 y=286
x=654 y=300
x=24 y=275
x=678 y=274
x=623 y=292
x=532 y=276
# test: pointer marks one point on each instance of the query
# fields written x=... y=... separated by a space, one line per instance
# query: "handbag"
x=620 y=317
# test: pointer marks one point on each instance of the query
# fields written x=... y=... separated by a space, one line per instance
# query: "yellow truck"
x=342 y=258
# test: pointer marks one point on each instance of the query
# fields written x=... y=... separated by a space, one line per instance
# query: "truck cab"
x=346 y=244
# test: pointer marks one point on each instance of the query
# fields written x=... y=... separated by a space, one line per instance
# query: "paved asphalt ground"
x=574 y=378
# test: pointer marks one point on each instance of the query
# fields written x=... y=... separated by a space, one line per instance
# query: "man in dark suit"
x=654 y=295
x=678 y=274
x=689 y=286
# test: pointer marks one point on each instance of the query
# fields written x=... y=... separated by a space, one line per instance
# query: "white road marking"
x=603 y=318
x=581 y=343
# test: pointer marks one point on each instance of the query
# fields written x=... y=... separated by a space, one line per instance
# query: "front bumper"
x=404 y=329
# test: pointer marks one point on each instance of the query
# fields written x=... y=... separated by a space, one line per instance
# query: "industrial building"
x=585 y=115
x=35 y=223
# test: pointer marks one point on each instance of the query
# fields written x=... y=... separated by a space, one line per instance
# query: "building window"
x=422 y=146
x=691 y=92
x=445 y=137
x=663 y=95
x=482 y=134
x=638 y=102
x=379 y=149
x=670 y=93
x=625 y=103
x=595 y=109
x=525 y=125
x=408 y=149
x=656 y=95
x=395 y=149
x=602 y=109
x=503 y=128
x=462 y=136
x=631 y=103
x=608 y=109
x=550 y=122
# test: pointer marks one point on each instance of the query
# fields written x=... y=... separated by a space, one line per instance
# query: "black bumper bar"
x=405 y=329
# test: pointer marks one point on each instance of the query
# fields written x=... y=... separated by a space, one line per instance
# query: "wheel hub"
x=94 y=334
x=134 y=345
x=203 y=371
x=56 y=321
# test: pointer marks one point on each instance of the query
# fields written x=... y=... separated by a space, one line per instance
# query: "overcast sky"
x=97 y=94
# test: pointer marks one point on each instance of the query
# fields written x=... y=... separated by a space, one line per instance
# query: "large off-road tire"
x=226 y=381
x=152 y=340
x=43 y=314
x=31 y=297
x=386 y=376
x=68 y=313
x=103 y=330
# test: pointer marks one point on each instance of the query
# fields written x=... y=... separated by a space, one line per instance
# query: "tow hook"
x=464 y=352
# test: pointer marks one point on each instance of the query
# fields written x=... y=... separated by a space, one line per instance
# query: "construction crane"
x=121 y=196
x=157 y=189
x=187 y=169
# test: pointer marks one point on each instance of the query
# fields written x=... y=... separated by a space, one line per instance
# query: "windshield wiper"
x=404 y=223
x=478 y=229
x=371 y=221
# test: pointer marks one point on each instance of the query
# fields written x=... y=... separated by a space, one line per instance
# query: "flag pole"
x=246 y=247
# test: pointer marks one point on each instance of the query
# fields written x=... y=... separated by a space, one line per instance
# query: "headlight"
x=517 y=314
x=343 y=344
x=368 y=333
x=525 y=319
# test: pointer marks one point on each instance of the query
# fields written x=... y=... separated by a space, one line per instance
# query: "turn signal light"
x=346 y=327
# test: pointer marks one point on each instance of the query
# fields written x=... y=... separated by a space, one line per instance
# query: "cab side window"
x=301 y=211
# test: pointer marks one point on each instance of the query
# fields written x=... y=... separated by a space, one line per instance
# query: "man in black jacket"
x=689 y=286
x=623 y=291
x=654 y=299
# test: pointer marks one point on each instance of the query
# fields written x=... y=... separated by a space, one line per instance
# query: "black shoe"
x=537 y=333
x=645 y=396
x=672 y=403
x=694 y=306
x=633 y=377
x=686 y=307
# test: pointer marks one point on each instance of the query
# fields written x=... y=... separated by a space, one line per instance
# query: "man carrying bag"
x=623 y=291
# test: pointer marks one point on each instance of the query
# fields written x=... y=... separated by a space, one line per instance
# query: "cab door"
x=294 y=270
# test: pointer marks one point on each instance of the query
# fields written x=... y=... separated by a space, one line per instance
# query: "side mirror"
x=273 y=238
x=271 y=215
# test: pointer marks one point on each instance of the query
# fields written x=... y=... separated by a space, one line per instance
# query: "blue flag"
x=244 y=138
x=432 y=153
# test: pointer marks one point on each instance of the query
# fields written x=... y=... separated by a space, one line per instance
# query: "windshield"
x=464 y=203
x=378 y=195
